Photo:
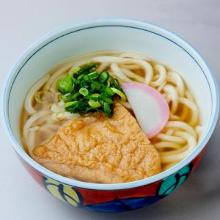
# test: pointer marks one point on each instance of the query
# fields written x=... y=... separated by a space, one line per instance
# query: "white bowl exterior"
x=124 y=35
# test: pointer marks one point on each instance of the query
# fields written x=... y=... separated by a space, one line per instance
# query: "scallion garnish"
x=85 y=90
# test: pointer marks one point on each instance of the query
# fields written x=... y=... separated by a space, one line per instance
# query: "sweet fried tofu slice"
x=98 y=149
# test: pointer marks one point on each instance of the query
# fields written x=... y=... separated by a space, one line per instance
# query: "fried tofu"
x=98 y=149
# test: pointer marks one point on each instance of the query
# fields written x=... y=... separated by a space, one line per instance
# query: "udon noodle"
x=43 y=113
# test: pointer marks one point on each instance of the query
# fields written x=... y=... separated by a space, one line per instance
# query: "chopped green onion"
x=104 y=77
x=86 y=78
x=84 y=84
x=114 y=83
x=74 y=70
x=94 y=104
x=106 y=99
x=65 y=85
x=67 y=97
x=80 y=77
x=84 y=91
x=70 y=97
x=70 y=104
x=75 y=106
x=96 y=86
x=75 y=96
x=93 y=75
x=87 y=67
x=94 y=96
x=107 y=109
x=108 y=92
x=120 y=93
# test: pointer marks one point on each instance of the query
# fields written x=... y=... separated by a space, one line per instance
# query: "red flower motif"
x=101 y=196
x=195 y=163
x=34 y=173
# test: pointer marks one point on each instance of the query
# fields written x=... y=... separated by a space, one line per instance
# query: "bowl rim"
x=100 y=23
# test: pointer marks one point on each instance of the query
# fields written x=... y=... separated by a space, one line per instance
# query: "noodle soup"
x=52 y=107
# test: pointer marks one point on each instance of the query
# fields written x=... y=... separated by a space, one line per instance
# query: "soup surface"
x=110 y=117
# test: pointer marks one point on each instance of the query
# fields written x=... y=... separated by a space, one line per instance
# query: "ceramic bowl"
x=111 y=34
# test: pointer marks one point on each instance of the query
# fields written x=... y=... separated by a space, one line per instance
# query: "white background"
x=24 y=21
